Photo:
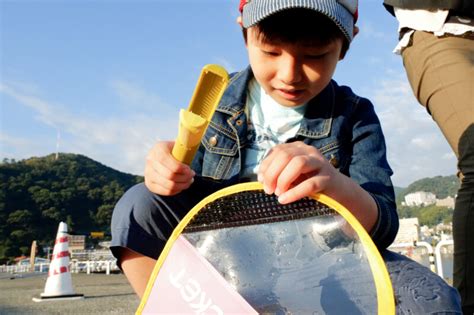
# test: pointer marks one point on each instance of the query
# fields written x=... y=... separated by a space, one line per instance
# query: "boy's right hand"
x=164 y=175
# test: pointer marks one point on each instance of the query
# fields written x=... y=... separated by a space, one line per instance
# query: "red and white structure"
x=59 y=283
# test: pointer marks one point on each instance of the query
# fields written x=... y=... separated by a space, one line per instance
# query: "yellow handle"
x=194 y=121
x=191 y=129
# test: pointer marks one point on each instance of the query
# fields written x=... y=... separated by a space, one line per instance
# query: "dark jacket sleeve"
x=370 y=168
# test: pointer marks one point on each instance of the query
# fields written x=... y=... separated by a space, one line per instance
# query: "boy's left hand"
x=296 y=170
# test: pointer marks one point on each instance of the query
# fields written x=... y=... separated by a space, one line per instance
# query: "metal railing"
x=435 y=256
x=438 y=252
x=23 y=268
x=89 y=266
x=435 y=260
x=426 y=245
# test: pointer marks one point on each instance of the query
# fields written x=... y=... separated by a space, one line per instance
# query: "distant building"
x=77 y=242
x=446 y=237
x=420 y=198
x=105 y=244
x=425 y=232
x=446 y=202
x=444 y=228
x=409 y=231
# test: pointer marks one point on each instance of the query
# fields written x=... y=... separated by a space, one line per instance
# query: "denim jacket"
x=341 y=125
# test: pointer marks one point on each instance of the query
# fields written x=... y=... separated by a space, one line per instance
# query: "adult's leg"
x=441 y=74
x=417 y=289
x=463 y=221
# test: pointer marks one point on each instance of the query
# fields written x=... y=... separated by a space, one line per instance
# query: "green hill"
x=39 y=192
x=441 y=186
x=398 y=190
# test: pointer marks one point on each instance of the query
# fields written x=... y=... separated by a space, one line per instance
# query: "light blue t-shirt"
x=269 y=124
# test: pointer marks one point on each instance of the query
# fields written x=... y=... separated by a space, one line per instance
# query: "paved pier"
x=104 y=294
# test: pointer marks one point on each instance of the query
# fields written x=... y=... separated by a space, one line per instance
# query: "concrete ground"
x=104 y=294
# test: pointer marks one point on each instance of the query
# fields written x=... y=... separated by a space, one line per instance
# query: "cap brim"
x=257 y=10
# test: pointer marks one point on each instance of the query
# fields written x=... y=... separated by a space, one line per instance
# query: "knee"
x=136 y=224
x=137 y=200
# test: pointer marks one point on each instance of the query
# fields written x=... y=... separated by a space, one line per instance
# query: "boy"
x=285 y=122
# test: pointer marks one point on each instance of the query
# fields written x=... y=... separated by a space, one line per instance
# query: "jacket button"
x=239 y=122
x=213 y=141
x=334 y=161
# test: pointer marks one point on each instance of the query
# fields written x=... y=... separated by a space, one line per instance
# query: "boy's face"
x=292 y=74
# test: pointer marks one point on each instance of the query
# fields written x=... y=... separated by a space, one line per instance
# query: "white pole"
x=439 y=262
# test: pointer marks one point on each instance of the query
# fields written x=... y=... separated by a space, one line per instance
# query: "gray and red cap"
x=342 y=12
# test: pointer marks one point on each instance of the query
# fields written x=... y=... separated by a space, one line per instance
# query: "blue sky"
x=109 y=77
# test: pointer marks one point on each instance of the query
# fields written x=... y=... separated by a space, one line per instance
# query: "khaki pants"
x=441 y=74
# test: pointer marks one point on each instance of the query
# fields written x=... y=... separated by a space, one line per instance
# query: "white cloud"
x=227 y=65
x=135 y=97
x=120 y=141
x=416 y=148
x=422 y=143
x=449 y=156
x=43 y=111
x=368 y=30
x=21 y=147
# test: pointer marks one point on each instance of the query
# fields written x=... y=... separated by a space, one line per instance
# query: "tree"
x=441 y=186
x=104 y=214
x=434 y=215
x=20 y=219
x=39 y=192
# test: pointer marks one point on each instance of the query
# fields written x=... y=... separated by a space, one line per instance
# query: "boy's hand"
x=164 y=175
x=296 y=170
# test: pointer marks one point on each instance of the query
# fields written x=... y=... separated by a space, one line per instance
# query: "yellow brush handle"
x=194 y=121
x=191 y=129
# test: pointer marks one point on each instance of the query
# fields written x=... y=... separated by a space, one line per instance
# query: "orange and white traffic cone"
x=59 y=283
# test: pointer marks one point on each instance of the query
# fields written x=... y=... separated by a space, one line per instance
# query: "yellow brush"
x=194 y=121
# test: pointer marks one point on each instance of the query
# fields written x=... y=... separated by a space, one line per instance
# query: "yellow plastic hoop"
x=383 y=285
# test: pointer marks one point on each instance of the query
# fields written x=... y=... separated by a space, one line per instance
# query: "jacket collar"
x=234 y=98
x=318 y=116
